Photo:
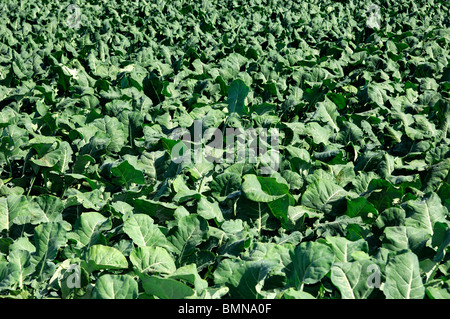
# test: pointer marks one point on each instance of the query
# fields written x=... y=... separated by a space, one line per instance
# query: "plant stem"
x=31 y=185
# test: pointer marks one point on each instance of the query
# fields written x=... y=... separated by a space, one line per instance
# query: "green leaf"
x=114 y=131
x=292 y=293
x=383 y=194
x=441 y=239
x=190 y=231
x=90 y=200
x=375 y=94
x=115 y=287
x=403 y=279
x=326 y=112
x=394 y=216
x=21 y=259
x=90 y=226
x=360 y=206
x=105 y=257
x=280 y=209
x=237 y=92
x=127 y=174
x=258 y=213
x=7 y=280
x=155 y=209
x=152 y=260
x=189 y=273
x=209 y=210
x=399 y=238
x=263 y=189
x=18 y=209
x=144 y=233
x=438 y=293
x=52 y=206
x=48 y=239
x=60 y=158
x=343 y=248
x=324 y=195
x=225 y=184
x=312 y=261
x=166 y=288
x=425 y=212
x=244 y=279
x=319 y=133
x=436 y=175
x=351 y=278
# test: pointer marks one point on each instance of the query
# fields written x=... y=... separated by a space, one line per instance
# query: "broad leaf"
x=263 y=189
x=425 y=213
x=312 y=261
x=166 y=288
x=105 y=257
x=142 y=230
x=115 y=287
x=127 y=174
x=190 y=232
x=90 y=226
x=237 y=93
x=403 y=279
x=244 y=279
x=324 y=195
x=152 y=260
x=352 y=279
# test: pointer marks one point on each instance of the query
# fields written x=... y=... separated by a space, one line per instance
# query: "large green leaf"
x=360 y=206
x=209 y=210
x=438 y=293
x=263 y=189
x=115 y=287
x=403 y=279
x=90 y=226
x=143 y=231
x=225 y=184
x=424 y=213
x=127 y=174
x=256 y=212
x=343 y=248
x=91 y=199
x=436 y=175
x=398 y=238
x=155 y=209
x=18 y=209
x=190 y=231
x=312 y=261
x=166 y=288
x=237 y=93
x=189 y=273
x=48 y=239
x=20 y=261
x=244 y=279
x=269 y=190
x=324 y=195
x=152 y=260
x=327 y=112
x=113 y=130
x=352 y=279
x=60 y=158
x=105 y=257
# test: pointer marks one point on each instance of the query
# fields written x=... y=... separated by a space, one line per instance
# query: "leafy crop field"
x=224 y=149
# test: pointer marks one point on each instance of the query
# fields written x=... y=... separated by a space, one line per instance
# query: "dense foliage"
x=92 y=205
